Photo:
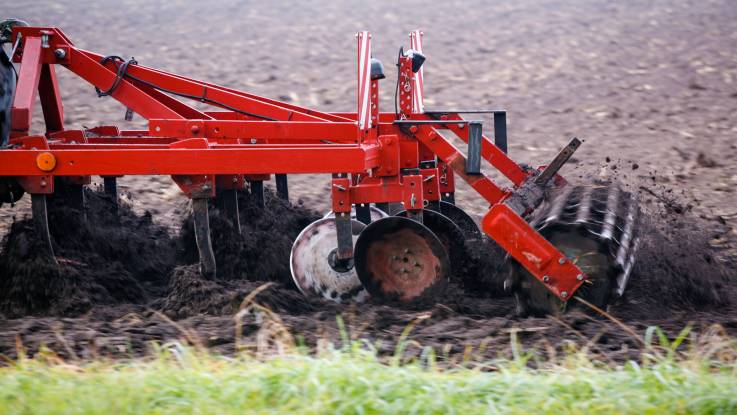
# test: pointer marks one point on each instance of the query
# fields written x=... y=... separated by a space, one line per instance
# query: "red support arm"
x=48 y=91
x=25 y=90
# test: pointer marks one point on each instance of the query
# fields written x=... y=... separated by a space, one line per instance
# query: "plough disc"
x=450 y=235
x=399 y=259
x=310 y=263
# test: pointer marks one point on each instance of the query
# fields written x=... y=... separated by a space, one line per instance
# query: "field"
x=651 y=87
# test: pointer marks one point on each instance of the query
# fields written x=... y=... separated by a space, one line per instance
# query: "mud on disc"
x=311 y=270
x=450 y=235
x=399 y=259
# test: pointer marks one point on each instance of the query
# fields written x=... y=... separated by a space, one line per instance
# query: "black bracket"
x=500 y=123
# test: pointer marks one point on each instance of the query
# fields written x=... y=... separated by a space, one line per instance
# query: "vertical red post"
x=418 y=106
x=364 y=81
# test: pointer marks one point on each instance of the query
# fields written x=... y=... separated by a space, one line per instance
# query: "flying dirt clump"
x=105 y=255
x=676 y=269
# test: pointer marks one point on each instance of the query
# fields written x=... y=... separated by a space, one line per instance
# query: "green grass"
x=184 y=380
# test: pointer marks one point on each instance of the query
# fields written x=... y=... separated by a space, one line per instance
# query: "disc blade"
x=464 y=221
x=450 y=235
x=311 y=269
x=399 y=259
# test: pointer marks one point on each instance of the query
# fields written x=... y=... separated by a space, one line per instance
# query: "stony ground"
x=650 y=86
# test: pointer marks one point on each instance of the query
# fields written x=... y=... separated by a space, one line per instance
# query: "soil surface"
x=650 y=86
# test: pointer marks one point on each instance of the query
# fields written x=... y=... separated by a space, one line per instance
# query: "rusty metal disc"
x=450 y=235
x=310 y=264
x=399 y=259
x=464 y=221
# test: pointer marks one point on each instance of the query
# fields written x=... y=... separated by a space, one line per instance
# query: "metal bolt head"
x=546 y=278
x=60 y=53
x=564 y=294
x=254 y=141
x=579 y=277
x=562 y=261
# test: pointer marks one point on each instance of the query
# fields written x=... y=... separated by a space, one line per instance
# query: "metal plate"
x=311 y=271
x=376 y=214
x=464 y=221
x=399 y=259
x=449 y=234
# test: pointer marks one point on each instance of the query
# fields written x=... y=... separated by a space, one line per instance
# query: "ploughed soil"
x=651 y=87
x=122 y=282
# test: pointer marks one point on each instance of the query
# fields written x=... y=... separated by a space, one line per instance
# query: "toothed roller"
x=595 y=226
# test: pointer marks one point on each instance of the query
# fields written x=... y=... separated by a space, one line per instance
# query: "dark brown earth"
x=650 y=86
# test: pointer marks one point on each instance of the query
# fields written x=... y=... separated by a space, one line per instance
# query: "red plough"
x=379 y=158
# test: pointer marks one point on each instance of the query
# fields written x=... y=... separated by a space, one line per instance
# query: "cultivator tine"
x=202 y=236
x=363 y=213
x=257 y=192
x=41 y=224
x=344 y=229
x=282 y=186
x=228 y=199
x=75 y=194
x=110 y=185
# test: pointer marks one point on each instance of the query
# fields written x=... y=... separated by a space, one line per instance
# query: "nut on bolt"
x=546 y=278
x=60 y=53
x=564 y=294
x=579 y=277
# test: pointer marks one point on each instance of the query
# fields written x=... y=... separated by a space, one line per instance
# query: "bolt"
x=562 y=261
x=254 y=141
x=195 y=129
x=564 y=294
x=413 y=129
x=546 y=278
x=579 y=277
x=60 y=53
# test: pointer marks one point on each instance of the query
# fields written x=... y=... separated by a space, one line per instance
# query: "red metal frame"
x=257 y=136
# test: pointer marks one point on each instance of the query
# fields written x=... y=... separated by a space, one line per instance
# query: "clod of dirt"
x=104 y=258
